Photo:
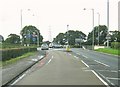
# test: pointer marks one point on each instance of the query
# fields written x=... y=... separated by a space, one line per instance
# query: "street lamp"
x=108 y=23
x=98 y=27
x=93 y=27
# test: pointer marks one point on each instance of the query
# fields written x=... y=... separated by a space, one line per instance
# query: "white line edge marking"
x=18 y=79
x=96 y=75
x=100 y=78
x=102 y=63
x=84 y=63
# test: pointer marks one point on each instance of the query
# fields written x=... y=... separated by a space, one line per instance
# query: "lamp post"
x=67 y=35
x=98 y=27
x=108 y=23
x=93 y=28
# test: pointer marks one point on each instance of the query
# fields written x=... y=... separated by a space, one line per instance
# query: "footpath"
x=12 y=71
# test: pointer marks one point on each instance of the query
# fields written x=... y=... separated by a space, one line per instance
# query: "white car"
x=44 y=47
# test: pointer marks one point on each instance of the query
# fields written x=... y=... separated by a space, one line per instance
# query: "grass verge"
x=109 y=51
x=11 y=61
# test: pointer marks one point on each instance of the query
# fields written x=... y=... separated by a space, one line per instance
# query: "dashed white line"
x=113 y=78
x=101 y=63
x=49 y=60
x=70 y=54
x=84 y=56
x=76 y=57
x=78 y=53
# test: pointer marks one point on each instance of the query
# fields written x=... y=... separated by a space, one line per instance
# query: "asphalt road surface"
x=104 y=64
x=60 y=68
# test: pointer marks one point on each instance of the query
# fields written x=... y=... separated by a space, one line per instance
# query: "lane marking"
x=49 y=60
x=76 y=57
x=84 y=56
x=101 y=63
x=100 y=78
x=78 y=53
x=18 y=79
x=108 y=70
x=113 y=78
x=84 y=63
x=96 y=75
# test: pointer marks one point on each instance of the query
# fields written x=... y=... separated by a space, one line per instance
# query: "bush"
x=115 y=45
x=14 y=52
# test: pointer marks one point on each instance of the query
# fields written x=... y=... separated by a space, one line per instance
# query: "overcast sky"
x=55 y=13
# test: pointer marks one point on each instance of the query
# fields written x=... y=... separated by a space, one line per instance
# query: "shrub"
x=14 y=52
x=115 y=45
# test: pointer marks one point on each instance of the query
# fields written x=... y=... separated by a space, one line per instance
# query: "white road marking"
x=18 y=79
x=108 y=70
x=96 y=75
x=100 y=78
x=84 y=56
x=70 y=54
x=49 y=60
x=34 y=60
x=76 y=57
x=84 y=63
x=78 y=53
x=102 y=63
x=113 y=78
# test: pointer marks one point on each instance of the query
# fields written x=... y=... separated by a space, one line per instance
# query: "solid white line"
x=18 y=79
x=84 y=63
x=102 y=63
x=100 y=78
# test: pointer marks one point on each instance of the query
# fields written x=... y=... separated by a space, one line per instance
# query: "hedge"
x=14 y=52
x=115 y=45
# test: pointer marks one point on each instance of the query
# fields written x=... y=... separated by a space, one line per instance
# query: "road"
x=105 y=65
x=60 y=68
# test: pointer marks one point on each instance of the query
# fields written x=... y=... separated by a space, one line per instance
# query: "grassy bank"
x=17 y=59
x=109 y=51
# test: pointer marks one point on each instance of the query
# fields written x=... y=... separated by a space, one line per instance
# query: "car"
x=44 y=47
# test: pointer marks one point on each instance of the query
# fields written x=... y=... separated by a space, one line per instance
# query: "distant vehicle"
x=44 y=47
x=57 y=46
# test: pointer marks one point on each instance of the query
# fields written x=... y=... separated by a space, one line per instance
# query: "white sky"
x=55 y=13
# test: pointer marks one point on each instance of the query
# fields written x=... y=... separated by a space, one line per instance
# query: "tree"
x=13 y=39
x=30 y=35
x=69 y=36
x=102 y=35
x=115 y=36
x=1 y=38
